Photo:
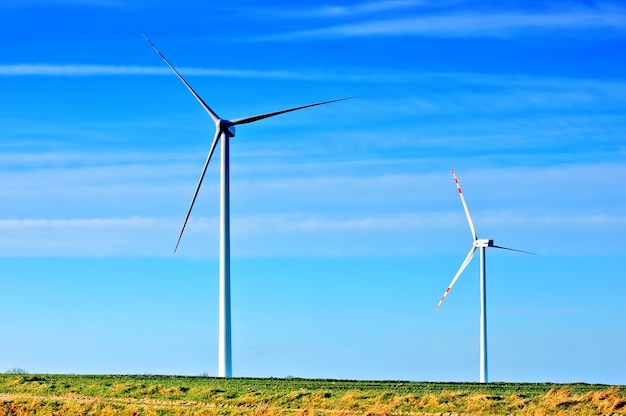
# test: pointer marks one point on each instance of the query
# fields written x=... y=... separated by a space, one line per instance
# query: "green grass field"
x=27 y=394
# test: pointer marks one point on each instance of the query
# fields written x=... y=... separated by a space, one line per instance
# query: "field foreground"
x=27 y=394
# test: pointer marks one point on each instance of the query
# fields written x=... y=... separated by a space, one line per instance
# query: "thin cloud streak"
x=83 y=237
x=520 y=81
x=346 y=11
x=280 y=234
x=467 y=25
x=80 y=223
x=104 y=4
x=100 y=70
x=86 y=70
x=429 y=221
x=301 y=223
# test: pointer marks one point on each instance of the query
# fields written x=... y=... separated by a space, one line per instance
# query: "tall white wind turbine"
x=482 y=244
x=224 y=129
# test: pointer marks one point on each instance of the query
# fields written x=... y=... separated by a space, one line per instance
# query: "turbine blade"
x=252 y=119
x=467 y=213
x=513 y=249
x=467 y=260
x=216 y=139
x=208 y=109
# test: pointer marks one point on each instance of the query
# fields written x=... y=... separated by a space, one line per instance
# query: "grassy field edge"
x=25 y=394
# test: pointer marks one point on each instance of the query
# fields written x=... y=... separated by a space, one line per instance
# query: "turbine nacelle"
x=483 y=243
x=226 y=127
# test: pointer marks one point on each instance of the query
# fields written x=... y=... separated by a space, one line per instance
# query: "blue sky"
x=346 y=223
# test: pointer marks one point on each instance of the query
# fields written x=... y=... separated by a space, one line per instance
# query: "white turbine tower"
x=224 y=129
x=482 y=244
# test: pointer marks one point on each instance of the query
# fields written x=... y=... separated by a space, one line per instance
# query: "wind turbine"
x=482 y=244
x=224 y=129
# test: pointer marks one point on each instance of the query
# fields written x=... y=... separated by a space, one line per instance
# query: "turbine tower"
x=482 y=244
x=224 y=129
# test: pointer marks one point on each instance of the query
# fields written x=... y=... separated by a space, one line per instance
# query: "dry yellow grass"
x=154 y=396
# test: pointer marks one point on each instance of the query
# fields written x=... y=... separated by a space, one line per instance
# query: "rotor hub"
x=483 y=243
x=227 y=127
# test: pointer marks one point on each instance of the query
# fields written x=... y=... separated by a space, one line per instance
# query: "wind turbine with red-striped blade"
x=224 y=129
x=482 y=244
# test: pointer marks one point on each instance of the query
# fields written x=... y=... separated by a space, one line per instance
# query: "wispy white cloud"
x=303 y=223
x=414 y=233
x=335 y=74
x=77 y=70
x=282 y=206
x=100 y=70
x=369 y=7
x=106 y=4
x=117 y=183
x=336 y=11
x=552 y=89
x=80 y=223
x=468 y=24
x=99 y=237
